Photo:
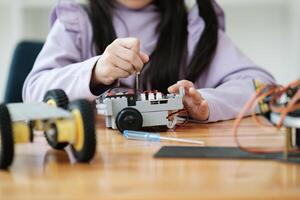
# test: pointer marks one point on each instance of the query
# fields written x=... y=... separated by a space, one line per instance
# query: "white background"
x=268 y=31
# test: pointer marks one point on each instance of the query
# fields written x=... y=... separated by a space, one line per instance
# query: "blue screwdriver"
x=155 y=137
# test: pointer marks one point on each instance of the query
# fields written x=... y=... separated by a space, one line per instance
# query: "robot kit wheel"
x=57 y=98
x=129 y=119
x=84 y=147
x=51 y=137
x=6 y=138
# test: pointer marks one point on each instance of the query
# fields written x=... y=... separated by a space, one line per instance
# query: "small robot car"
x=63 y=123
x=129 y=110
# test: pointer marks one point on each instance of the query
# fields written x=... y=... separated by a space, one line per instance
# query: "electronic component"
x=125 y=109
x=283 y=105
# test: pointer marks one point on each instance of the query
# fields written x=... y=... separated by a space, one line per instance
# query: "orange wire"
x=242 y=113
x=275 y=92
x=254 y=114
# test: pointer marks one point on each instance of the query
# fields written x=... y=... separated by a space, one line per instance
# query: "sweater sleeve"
x=63 y=62
x=228 y=83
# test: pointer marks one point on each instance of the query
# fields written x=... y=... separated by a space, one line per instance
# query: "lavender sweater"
x=67 y=59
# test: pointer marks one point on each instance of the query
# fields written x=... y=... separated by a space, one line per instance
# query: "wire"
x=185 y=121
x=262 y=93
x=175 y=113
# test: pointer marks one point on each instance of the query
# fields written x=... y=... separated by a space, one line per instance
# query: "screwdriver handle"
x=155 y=137
x=144 y=136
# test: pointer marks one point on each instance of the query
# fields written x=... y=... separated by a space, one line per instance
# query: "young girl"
x=91 y=49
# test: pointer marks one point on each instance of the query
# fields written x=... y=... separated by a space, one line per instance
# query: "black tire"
x=297 y=137
x=52 y=140
x=87 y=119
x=6 y=138
x=61 y=100
x=58 y=96
x=129 y=119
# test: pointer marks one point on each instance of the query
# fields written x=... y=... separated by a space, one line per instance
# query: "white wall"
x=20 y=20
x=268 y=31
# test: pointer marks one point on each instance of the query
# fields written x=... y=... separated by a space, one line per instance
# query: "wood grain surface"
x=126 y=169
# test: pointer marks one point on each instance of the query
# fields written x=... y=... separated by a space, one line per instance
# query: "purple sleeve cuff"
x=86 y=75
x=226 y=101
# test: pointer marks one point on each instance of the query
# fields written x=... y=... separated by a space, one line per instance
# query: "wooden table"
x=124 y=169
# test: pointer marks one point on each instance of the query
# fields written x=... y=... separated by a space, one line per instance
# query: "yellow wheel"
x=6 y=138
x=51 y=137
x=84 y=146
x=57 y=98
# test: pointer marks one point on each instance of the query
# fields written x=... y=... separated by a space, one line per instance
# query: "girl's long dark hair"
x=171 y=49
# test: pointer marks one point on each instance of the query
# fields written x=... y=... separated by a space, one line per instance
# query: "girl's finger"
x=123 y=64
x=186 y=84
x=145 y=58
x=173 y=89
x=129 y=43
x=130 y=56
x=199 y=107
x=196 y=97
x=119 y=73
x=183 y=83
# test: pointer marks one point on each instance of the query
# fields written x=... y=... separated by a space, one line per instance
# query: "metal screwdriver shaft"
x=137 y=81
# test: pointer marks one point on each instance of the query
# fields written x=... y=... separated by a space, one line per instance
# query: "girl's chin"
x=135 y=4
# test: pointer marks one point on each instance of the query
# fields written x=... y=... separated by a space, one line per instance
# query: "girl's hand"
x=120 y=59
x=193 y=102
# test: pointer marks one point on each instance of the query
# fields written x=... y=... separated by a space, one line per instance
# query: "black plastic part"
x=88 y=116
x=129 y=119
x=7 y=141
x=295 y=113
x=59 y=96
x=221 y=153
x=52 y=141
x=297 y=135
x=31 y=128
x=131 y=100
